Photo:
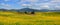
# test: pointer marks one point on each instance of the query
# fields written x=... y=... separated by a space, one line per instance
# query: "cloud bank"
x=35 y=4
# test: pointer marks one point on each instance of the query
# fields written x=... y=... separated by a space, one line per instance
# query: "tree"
x=25 y=12
x=32 y=12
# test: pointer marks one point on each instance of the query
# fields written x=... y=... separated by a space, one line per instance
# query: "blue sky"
x=34 y=4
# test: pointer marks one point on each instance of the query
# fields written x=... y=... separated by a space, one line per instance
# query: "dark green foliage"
x=1 y=23
x=32 y=12
x=25 y=12
x=17 y=23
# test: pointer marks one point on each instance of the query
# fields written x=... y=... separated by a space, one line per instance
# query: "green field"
x=39 y=18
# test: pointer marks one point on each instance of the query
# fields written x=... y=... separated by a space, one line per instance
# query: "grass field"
x=39 y=18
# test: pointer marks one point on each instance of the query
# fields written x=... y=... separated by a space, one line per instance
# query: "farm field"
x=39 y=18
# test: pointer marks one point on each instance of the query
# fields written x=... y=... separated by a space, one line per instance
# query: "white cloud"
x=58 y=7
x=44 y=6
x=5 y=6
x=33 y=0
x=24 y=4
x=55 y=1
x=29 y=0
x=47 y=5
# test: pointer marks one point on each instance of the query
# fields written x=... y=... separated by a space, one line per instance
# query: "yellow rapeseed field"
x=39 y=18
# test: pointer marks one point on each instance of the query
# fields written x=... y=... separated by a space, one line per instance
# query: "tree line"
x=25 y=12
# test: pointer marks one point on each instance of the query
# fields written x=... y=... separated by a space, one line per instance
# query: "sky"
x=34 y=4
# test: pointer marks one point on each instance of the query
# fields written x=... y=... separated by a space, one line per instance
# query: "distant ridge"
x=26 y=9
x=30 y=10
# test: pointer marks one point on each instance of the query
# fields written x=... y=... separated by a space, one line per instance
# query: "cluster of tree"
x=19 y=12
x=30 y=13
